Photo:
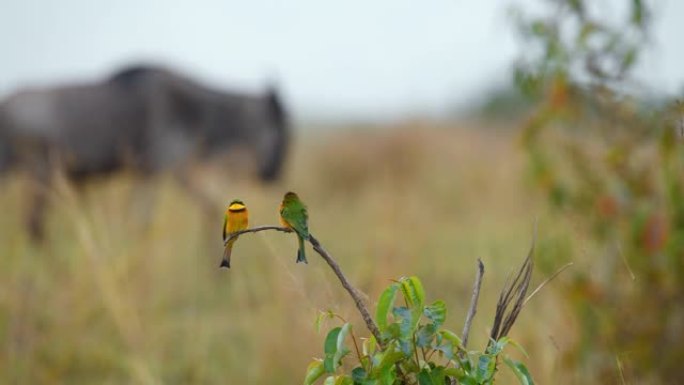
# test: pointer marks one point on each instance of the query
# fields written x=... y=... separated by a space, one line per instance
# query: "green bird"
x=293 y=215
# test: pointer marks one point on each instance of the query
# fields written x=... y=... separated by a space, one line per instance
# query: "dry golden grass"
x=118 y=296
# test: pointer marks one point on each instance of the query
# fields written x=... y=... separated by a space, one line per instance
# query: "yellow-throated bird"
x=293 y=215
x=236 y=219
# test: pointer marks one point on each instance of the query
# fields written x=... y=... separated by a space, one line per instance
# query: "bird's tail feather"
x=301 y=256
x=225 y=261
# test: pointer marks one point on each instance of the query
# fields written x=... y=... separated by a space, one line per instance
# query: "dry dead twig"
x=513 y=293
x=473 y=303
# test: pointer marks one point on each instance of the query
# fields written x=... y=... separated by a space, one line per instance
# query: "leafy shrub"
x=416 y=348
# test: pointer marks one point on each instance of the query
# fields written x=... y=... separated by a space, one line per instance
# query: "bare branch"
x=256 y=230
x=370 y=324
x=473 y=303
x=353 y=292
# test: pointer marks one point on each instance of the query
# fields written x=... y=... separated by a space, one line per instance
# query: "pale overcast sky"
x=355 y=58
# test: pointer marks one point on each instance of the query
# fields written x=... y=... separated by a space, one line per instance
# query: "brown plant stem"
x=512 y=298
x=473 y=303
x=370 y=324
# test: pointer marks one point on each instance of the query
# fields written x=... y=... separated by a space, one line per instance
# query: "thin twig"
x=415 y=350
x=624 y=260
x=546 y=281
x=372 y=327
x=353 y=292
x=256 y=230
x=473 y=303
x=356 y=346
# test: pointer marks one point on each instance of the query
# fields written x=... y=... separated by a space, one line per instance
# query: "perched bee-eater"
x=236 y=219
x=293 y=215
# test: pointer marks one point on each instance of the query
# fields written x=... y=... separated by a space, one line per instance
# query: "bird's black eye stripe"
x=237 y=210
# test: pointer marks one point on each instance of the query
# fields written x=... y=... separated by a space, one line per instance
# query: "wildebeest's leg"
x=211 y=209
x=172 y=143
x=36 y=216
x=187 y=182
x=45 y=166
x=39 y=183
x=5 y=151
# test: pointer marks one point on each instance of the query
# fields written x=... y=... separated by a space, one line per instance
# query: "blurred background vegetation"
x=613 y=164
x=115 y=297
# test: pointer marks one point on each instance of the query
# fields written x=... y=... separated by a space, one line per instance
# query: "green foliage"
x=415 y=347
x=615 y=167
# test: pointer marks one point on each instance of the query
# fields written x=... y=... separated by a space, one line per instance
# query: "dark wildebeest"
x=143 y=118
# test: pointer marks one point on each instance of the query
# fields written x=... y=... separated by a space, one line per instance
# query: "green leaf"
x=453 y=338
x=425 y=335
x=341 y=349
x=446 y=349
x=432 y=376
x=520 y=370
x=438 y=375
x=384 y=362
x=330 y=345
x=314 y=372
x=405 y=329
x=467 y=381
x=406 y=322
x=359 y=374
x=513 y=343
x=413 y=291
x=385 y=303
x=424 y=378
x=329 y=381
x=466 y=362
x=393 y=331
x=454 y=372
x=486 y=366
x=436 y=312
x=328 y=364
x=344 y=380
x=406 y=346
x=330 y=349
x=387 y=375
x=498 y=346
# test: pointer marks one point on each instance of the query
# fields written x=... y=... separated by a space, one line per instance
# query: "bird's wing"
x=287 y=214
x=291 y=215
x=225 y=223
x=299 y=222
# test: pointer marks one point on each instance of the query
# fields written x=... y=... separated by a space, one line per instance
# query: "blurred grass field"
x=115 y=297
